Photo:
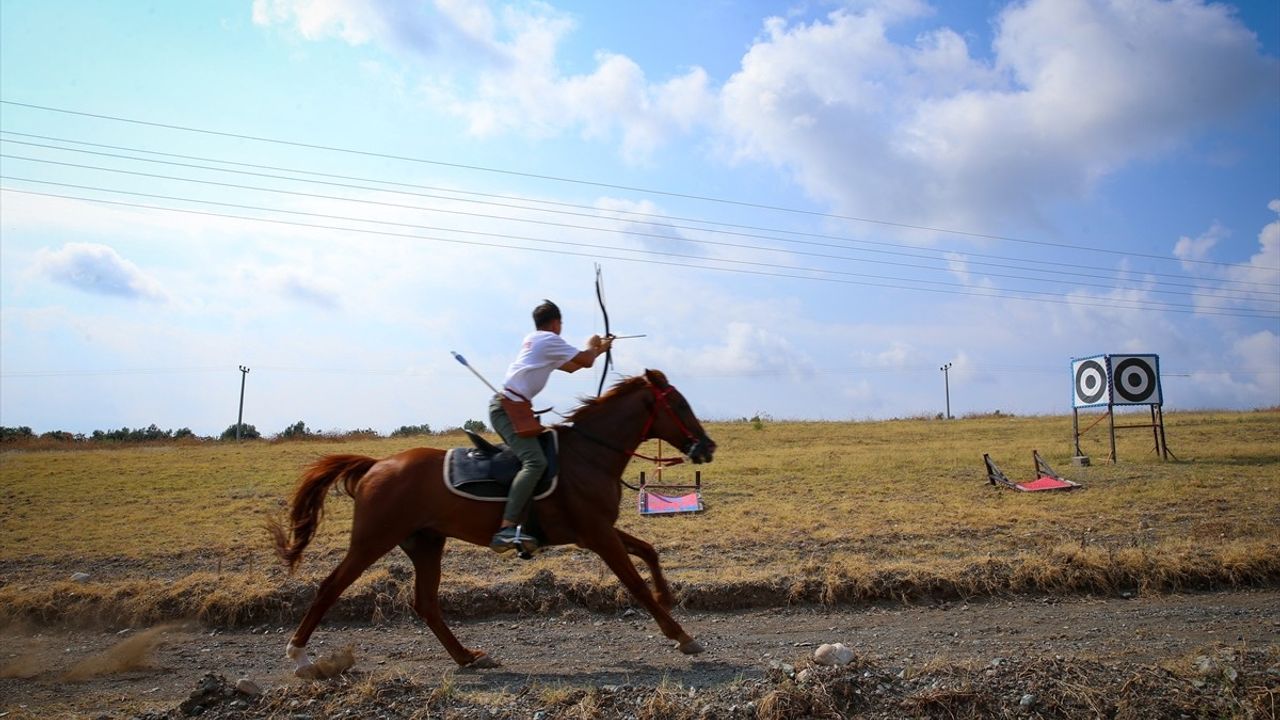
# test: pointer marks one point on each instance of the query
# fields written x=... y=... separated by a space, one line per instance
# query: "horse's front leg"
x=611 y=549
x=649 y=555
x=425 y=550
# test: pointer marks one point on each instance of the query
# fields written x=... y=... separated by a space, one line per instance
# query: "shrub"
x=411 y=430
x=475 y=426
x=13 y=434
x=247 y=432
x=295 y=431
x=124 y=434
x=58 y=435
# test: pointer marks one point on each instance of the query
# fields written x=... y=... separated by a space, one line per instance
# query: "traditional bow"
x=604 y=311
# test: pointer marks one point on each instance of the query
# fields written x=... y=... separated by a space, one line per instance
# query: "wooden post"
x=1155 y=430
x=1164 y=444
x=1111 y=420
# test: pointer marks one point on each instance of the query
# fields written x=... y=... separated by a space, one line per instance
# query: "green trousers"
x=533 y=462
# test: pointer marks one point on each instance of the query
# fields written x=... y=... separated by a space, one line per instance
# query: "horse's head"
x=672 y=419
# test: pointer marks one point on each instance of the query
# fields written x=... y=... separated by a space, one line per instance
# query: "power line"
x=653 y=219
x=595 y=214
x=1132 y=304
x=1113 y=304
x=591 y=183
x=1160 y=305
x=256 y=188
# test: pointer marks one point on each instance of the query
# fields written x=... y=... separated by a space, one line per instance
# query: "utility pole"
x=946 y=378
x=244 y=373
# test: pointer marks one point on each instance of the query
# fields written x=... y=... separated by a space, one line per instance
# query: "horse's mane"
x=590 y=406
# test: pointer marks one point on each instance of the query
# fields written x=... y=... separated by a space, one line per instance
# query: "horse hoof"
x=309 y=672
x=483 y=662
x=691 y=647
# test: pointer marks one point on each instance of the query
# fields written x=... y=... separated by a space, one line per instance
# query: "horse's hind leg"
x=649 y=555
x=358 y=559
x=611 y=549
x=425 y=550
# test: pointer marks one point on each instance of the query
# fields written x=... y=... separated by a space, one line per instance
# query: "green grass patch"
x=825 y=512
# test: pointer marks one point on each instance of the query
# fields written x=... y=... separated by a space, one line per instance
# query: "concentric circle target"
x=1091 y=382
x=1135 y=380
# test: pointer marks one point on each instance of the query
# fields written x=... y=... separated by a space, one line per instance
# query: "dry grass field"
x=797 y=512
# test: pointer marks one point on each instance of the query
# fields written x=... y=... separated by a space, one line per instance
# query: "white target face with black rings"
x=1135 y=379
x=1090 y=386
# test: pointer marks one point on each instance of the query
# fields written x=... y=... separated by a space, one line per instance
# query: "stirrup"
x=528 y=546
x=509 y=538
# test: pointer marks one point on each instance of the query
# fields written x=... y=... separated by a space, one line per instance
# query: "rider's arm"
x=596 y=347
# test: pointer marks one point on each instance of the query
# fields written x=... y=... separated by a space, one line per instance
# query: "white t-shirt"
x=542 y=352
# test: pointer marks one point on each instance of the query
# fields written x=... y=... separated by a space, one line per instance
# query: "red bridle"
x=660 y=401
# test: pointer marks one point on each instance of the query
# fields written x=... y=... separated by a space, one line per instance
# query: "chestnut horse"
x=401 y=500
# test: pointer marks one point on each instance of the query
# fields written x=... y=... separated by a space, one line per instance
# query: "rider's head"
x=545 y=315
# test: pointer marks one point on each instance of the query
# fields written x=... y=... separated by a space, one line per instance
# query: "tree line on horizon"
x=153 y=433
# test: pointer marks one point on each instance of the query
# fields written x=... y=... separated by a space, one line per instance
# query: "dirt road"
x=578 y=648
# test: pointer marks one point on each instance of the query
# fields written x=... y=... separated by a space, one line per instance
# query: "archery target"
x=1135 y=379
x=1090 y=382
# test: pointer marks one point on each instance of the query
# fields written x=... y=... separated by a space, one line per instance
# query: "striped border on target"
x=1090 y=382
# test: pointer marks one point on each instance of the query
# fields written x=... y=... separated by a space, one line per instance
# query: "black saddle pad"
x=485 y=472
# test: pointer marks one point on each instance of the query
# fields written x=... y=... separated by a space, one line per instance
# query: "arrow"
x=467 y=365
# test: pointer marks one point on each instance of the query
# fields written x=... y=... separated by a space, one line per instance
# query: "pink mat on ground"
x=1045 y=483
x=652 y=503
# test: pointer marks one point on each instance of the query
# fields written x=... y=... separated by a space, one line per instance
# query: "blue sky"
x=808 y=208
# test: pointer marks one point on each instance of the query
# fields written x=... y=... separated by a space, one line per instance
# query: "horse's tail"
x=306 y=508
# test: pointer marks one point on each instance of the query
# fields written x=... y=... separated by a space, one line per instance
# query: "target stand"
x=1105 y=381
x=659 y=498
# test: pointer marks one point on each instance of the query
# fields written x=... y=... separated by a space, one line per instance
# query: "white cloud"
x=1260 y=350
x=1249 y=285
x=927 y=133
x=898 y=355
x=98 y=269
x=1198 y=248
x=745 y=349
x=921 y=131
x=958 y=265
x=654 y=234
x=292 y=283
x=1262 y=266
x=403 y=26
x=509 y=60
x=319 y=19
x=615 y=102
x=1244 y=373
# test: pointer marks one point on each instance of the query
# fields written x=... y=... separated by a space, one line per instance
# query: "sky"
x=808 y=209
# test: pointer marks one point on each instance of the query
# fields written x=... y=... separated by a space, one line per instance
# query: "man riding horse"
x=511 y=412
x=403 y=500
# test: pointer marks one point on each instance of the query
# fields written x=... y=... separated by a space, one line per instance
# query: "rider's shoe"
x=511 y=538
